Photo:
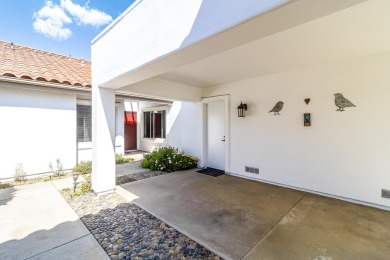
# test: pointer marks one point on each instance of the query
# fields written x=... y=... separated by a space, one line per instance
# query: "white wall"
x=84 y=151
x=185 y=128
x=36 y=127
x=343 y=153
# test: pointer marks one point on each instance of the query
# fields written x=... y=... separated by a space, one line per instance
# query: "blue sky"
x=60 y=26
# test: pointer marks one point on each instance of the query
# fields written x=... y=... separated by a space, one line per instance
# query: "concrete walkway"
x=129 y=168
x=243 y=219
x=37 y=223
x=132 y=167
x=136 y=155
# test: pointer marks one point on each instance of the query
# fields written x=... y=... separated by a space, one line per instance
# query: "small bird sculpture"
x=277 y=108
x=341 y=102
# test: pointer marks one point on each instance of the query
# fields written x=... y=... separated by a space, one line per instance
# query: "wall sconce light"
x=241 y=109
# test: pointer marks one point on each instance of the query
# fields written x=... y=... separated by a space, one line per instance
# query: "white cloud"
x=85 y=15
x=50 y=21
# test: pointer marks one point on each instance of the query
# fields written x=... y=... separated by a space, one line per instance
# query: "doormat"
x=211 y=172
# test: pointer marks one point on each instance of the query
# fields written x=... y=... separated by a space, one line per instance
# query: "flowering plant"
x=168 y=159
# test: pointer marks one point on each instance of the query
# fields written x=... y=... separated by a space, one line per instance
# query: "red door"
x=130 y=130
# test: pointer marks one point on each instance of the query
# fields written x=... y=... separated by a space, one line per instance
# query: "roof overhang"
x=81 y=92
x=291 y=36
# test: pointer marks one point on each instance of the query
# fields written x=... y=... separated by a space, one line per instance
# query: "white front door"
x=216 y=135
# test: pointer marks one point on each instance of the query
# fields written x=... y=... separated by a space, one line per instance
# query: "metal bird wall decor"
x=277 y=108
x=341 y=102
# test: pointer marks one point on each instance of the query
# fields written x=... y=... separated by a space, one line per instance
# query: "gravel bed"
x=145 y=175
x=137 y=176
x=125 y=231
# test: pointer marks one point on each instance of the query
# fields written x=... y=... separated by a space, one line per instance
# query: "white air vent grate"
x=251 y=169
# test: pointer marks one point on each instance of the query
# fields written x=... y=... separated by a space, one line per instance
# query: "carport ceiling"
x=357 y=31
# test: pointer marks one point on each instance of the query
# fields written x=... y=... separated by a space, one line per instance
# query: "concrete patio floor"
x=243 y=219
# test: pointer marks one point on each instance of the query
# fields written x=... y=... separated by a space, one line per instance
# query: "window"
x=154 y=124
x=84 y=123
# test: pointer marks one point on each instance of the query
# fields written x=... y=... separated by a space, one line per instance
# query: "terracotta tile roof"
x=26 y=63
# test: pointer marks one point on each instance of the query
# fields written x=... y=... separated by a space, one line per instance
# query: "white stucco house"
x=209 y=56
x=45 y=112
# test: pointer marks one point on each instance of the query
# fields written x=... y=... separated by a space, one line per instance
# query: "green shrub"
x=168 y=159
x=120 y=159
x=83 y=168
x=145 y=163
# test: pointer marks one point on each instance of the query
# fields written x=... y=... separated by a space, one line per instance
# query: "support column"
x=103 y=140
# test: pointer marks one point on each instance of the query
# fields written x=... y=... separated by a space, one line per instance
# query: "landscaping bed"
x=5 y=185
x=125 y=231
x=137 y=176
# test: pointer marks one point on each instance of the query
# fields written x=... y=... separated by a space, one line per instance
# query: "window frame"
x=152 y=111
x=78 y=110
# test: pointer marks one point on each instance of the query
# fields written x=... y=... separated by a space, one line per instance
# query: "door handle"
x=223 y=140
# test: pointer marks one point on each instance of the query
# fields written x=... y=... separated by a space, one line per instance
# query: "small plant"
x=77 y=193
x=58 y=170
x=120 y=159
x=168 y=159
x=87 y=178
x=83 y=168
x=145 y=162
x=86 y=188
x=19 y=175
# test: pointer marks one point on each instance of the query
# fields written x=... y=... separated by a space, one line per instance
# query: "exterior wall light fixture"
x=241 y=109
